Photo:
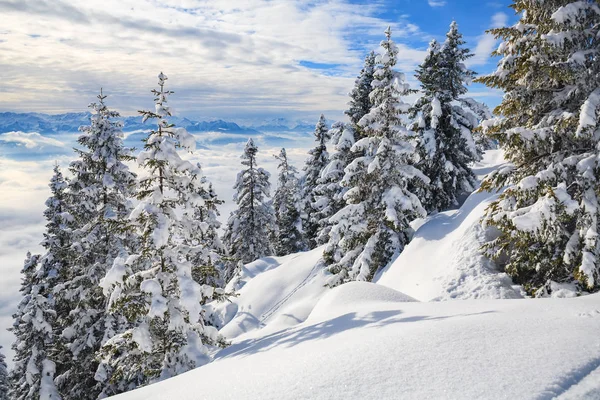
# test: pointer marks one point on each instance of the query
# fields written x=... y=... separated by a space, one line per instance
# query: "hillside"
x=292 y=337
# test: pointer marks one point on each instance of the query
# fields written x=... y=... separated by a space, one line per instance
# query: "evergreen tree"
x=154 y=289
x=101 y=186
x=548 y=127
x=329 y=192
x=249 y=228
x=446 y=145
x=316 y=162
x=360 y=104
x=4 y=384
x=35 y=323
x=287 y=236
x=373 y=227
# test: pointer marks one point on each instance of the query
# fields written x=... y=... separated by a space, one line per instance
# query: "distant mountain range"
x=46 y=124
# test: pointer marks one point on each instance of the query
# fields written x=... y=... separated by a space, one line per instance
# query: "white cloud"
x=29 y=140
x=486 y=43
x=224 y=58
x=436 y=3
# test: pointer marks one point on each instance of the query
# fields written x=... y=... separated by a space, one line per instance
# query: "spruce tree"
x=316 y=162
x=360 y=104
x=155 y=289
x=329 y=193
x=4 y=383
x=287 y=236
x=373 y=227
x=101 y=187
x=446 y=146
x=548 y=126
x=249 y=227
x=35 y=326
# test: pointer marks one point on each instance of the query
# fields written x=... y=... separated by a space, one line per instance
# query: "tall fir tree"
x=329 y=193
x=373 y=227
x=249 y=227
x=4 y=383
x=154 y=289
x=317 y=160
x=360 y=103
x=101 y=186
x=286 y=203
x=446 y=146
x=549 y=128
x=35 y=326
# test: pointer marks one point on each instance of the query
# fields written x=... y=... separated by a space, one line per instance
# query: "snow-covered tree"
x=4 y=384
x=287 y=236
x=373 y=227
x=249 y=227
x=101 y=187
x=317 y=160
x=549 y=128
x=35 y=325
x=360 y=104
x=446 y=145
x=329 y=193
x=154 y=289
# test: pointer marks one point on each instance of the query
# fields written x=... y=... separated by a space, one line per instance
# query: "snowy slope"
x=444 y=261
x=368 y=342
x=276 y=292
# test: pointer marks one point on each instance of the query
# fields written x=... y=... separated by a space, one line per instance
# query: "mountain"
x=70 y=122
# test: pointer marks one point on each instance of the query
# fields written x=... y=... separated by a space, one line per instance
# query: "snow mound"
x=472 y=349
x=444 y=261
x=277 y=292
x=353 y=296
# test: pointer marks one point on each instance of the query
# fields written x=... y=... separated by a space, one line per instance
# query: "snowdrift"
x=273 y=293
x=387 y=347
x=444 y=261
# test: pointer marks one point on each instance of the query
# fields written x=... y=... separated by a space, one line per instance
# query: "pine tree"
x=35 y=322
x=287 y=237
x=249 y=228
x=316 y=162
x=4 y=384
x=101 y=186
x=360 y=104
x=373 y=227
x=446 y=146
x=548 y=127
x=329 y=193
x=154 y=289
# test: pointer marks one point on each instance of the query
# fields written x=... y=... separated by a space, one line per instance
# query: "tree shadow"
x=293 y=336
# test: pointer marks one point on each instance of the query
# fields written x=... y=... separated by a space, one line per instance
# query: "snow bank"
x=472 y=349
x=274 y=291
x=444 y=260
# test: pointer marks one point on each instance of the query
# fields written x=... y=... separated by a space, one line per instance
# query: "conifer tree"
x=154 y=289
x=101 y=186
x=249 y=227
x=329 y=193
x=373 y=227
x=548 y=126
x=360 y=104
x=287 y=237
x=4 y=384
x=35 y=324
x=446 y=146
x=316 y=162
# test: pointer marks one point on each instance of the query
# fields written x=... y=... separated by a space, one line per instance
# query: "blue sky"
x=244 y=61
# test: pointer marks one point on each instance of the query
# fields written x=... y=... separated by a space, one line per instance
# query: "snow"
x=444 y=261
x=372 y=344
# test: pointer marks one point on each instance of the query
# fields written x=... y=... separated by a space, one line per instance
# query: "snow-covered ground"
x=366 y=341
x=444 y=260
x=294 y=338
